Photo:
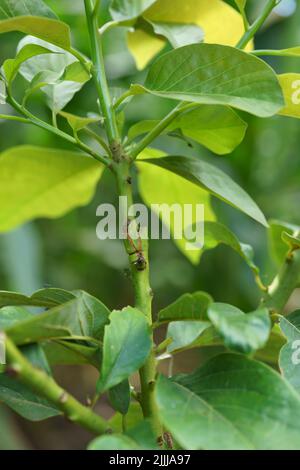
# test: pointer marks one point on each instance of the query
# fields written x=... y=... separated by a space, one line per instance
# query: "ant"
x=140 y=263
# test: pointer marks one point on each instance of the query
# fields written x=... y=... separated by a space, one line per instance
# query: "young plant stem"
x=161 y=126
x=252 y=30
x=99 y=74
x=284 y=284
x=46 y=387
x=8 y=117
x=143 y=300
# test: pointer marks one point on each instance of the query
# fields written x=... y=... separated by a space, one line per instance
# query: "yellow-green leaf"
x=290 y=84
x=41 y=182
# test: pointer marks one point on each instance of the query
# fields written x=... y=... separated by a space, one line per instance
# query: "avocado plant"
x=246 y=397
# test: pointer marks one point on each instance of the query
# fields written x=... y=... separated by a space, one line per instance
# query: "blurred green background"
x=66 y=253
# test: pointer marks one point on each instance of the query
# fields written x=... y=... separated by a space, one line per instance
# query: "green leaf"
x=127 y=345
x=278 y=248
x=179 y=34
x=215 y=74
x=191 y=334
x=213 y=180
x=49 y=297
x=85 y=316
x=241 y=332
x=218 y=128
x=173 y=190
x=123 y=10
x=221 y=24
x=290 y=83
x=42 y=182
x=77 y=122
x=11 y=66
x=24 y=402
x=187 y=307
x=234 y=403
x=35 y=18
x=289 y=359
x=119 y=397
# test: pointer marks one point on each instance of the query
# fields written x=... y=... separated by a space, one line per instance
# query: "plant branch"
x=161 y=126
x=31 y=119
x=99 y=74
x=272 y=52
x=8 y=117
x=284 y=284
x=252 y=30
x=45 y=386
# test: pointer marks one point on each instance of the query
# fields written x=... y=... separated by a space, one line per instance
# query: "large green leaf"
x=173 y=189
x=83 y=317
x=233 y=403
x=187 y=307
x=289 y=359
x=123 y=10
x=218 y=128
x=34 y=17
x=213 y=180
x=42 y=182
x=126 y=346
x=241 y=332
x=214 y=74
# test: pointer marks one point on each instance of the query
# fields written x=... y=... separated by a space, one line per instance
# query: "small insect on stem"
x=140 y=263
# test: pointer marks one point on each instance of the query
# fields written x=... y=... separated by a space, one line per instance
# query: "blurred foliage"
x=66 y=253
